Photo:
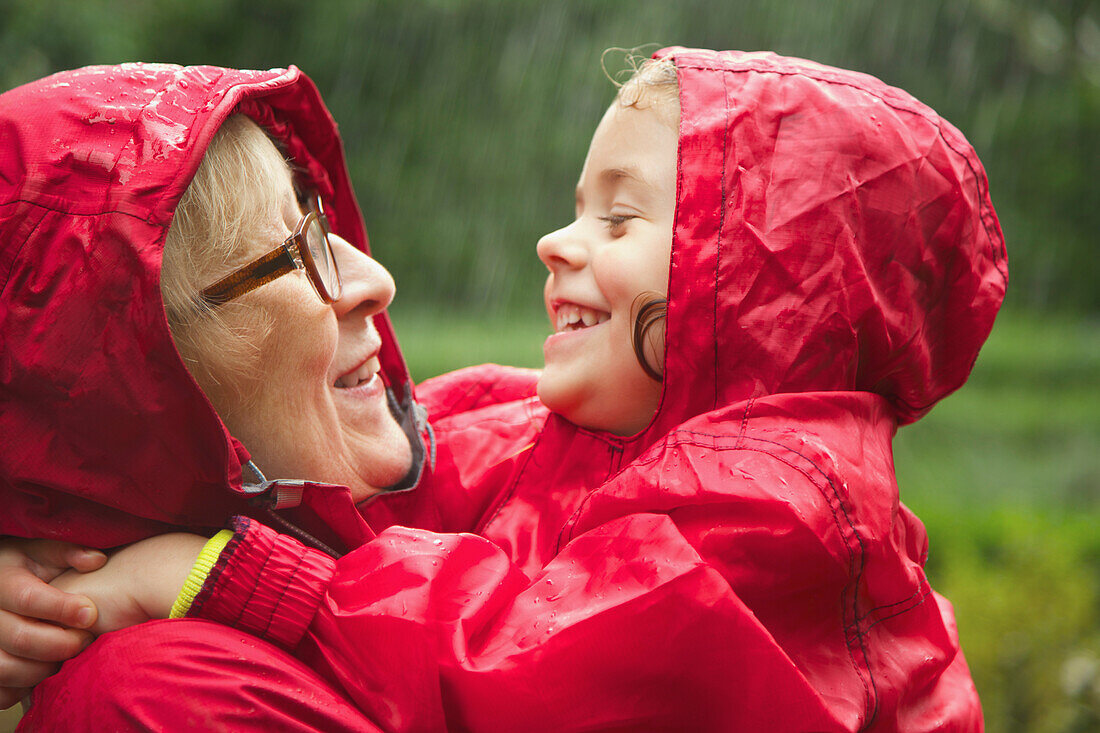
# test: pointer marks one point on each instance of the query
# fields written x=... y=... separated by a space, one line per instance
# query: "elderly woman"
x=184 y=340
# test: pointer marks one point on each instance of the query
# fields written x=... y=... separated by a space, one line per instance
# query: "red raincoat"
x=106 y=439
x=743 y=563
x=104 y=436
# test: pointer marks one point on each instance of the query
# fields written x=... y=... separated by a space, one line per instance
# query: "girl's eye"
x=616 y=221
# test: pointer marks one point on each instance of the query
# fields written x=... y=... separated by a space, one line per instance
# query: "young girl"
x=704 y=536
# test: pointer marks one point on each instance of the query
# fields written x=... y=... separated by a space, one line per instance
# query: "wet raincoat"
x=743 y=563
x=106 y=438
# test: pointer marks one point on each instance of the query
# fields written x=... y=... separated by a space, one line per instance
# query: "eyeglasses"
x=307 y=249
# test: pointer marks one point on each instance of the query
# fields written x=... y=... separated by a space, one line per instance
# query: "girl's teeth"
x=572 y=317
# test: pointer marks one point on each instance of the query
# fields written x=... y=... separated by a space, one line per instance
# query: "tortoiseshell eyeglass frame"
x=293 y=254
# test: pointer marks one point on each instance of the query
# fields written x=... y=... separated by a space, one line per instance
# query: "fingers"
x=11 y=695
x=24 y=593
x=62 y=555
x=86 y=559
x=30 y=648
x=35 y=641
x=17 y=674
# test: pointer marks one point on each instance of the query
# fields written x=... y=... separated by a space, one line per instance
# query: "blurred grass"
x=435 y=341
x=1024 y=431
x=1005 y=475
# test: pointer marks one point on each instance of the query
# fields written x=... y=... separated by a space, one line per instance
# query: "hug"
x=688 y=519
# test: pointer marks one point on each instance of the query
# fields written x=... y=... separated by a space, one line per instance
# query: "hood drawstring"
x=271 y=496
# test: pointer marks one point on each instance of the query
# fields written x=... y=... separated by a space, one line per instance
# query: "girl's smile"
x=572 y=317
x=617 y=249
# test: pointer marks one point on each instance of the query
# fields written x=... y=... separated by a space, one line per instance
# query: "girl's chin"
x=556 y=392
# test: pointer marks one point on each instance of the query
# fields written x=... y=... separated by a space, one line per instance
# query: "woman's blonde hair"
x=233 y=197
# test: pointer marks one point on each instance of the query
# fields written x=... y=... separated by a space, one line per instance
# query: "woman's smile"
x=317 y=407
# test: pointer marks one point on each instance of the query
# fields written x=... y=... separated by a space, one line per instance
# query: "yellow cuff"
x=202 y=567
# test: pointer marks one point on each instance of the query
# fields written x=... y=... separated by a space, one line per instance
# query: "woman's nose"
x=366 y=285
x=562 y=249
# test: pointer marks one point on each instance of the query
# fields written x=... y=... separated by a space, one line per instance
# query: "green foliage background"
x=466 y=122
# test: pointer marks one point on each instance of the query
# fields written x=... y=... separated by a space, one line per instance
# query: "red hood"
x=832 y=233
x=833 y=239
x=105 y=436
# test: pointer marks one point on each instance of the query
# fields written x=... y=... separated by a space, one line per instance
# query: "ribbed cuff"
x=265 y=583
x=199 y=571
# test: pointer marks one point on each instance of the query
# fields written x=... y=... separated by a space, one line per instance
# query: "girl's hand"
x=33 y=615
x=139 y=582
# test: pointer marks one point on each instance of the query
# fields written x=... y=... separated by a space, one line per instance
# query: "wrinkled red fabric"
x=744 y=563
x=190 y=676
x=104 y=436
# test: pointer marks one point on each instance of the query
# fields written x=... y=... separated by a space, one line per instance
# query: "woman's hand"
x=34 y=615
x=139 y=582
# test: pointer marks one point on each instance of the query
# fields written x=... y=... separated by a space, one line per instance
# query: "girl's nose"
x=562 y=249
x=367 y=286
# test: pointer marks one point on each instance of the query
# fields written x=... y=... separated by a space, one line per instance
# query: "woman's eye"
x=616 y=221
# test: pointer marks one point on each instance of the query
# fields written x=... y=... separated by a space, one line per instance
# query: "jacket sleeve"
x=721 y=581
x=626 y=628
x=474 y=387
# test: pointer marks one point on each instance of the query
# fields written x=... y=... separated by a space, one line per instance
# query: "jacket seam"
x=921 y=590
x=23 y=244
x=924 y=592
x=852 y=632
x=923 y=587
x=614 y=445
x=223 y=561
x=744 y=422
x=506 y=496
x=97 y=213
x=568 y=526
x=855 y=569
x=721 y=229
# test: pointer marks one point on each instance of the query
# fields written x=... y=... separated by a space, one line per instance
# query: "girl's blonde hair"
x=652 y=85
x=234 y=195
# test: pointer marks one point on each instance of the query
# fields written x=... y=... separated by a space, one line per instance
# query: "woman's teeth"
x=574 y=317
x=352 y=379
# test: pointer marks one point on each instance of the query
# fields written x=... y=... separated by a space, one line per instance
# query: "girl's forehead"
x=632 y=146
